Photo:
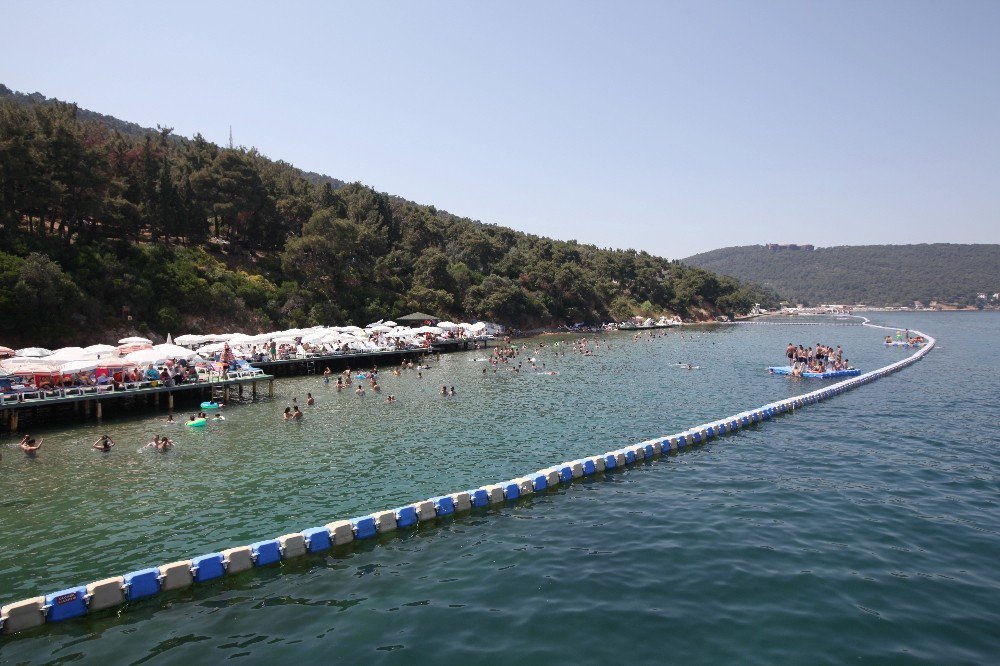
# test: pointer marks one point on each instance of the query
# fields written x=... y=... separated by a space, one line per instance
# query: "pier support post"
x=97 y=409
x=253 y=390
x=156 y=399
x=170 y=401
x=270 y=388
x=13 y=420
x=225 y=394
x=86 y=407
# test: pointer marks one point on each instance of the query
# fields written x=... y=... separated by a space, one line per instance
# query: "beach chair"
x=242 y=369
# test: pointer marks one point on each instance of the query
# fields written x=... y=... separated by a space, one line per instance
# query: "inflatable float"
x=210 y=405
x=829 y=374
x=901 y=343
x=197 y=423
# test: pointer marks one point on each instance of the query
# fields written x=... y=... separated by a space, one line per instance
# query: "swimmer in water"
x=452 y=392
x=104 y=443
x=218 y=417
x=296 y=414
x=29 y=446
x=288 y=414
x=360 y=391
x=170 y=418
x=444 y=390
x=391 y=398
x=309 y=399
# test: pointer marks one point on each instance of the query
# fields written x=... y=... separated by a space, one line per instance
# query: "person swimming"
x=104 y=443
x=287 y=414
x=29 y=446
x=309 y=399
x=296 y=414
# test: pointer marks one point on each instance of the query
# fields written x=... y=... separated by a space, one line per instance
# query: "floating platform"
x=830 y=374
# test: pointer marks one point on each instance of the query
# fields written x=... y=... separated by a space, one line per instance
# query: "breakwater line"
x=188 y=573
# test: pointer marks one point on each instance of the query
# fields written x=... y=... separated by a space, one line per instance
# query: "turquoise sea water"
x=863 y=528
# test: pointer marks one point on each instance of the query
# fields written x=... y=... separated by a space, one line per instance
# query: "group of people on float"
x=820 y=359
x=914 y=340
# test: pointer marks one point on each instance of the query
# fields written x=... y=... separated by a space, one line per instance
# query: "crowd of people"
x=818 y=359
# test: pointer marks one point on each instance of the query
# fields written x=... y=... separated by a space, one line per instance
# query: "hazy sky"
x=673 y=127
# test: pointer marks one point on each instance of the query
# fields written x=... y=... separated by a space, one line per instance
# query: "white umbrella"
x=22 y=363
x=135 y=340
x=34 y=352
x=389 y=323
x=380 y=328
x=189 y=339
x=68 y=354
x=99 y=349
x=212 y=348
x=145 y=356
x=447 y=324
x=478 y=326
x=374 y=324
x=79 y=366
x=173 y=351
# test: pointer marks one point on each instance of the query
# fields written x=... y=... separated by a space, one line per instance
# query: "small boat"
x=829 y=374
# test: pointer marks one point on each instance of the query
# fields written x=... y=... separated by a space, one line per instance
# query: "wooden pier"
x=311 y=365
x=45 y=407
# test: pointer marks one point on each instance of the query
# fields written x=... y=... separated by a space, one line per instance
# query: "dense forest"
x=106 y=227
x=869 y=274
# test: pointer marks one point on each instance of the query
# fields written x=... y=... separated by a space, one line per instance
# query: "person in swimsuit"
x=29 y=446
x=288 y=414
x=104 y=443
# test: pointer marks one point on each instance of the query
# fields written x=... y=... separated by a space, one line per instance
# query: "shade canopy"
x=418 y=316
x=135 y=339
x=28 y=365
x=173 y=351
x=34 y=352
x=145 y=356
x=67 y=354
x=99 y=349
x=79 y=366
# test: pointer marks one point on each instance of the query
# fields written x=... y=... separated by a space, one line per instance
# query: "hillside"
x=106 y=226
x=869 y=274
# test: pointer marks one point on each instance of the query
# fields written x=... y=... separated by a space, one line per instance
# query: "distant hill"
x=869 y=274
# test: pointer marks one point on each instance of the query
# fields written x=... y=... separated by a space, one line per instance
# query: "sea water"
x=862 y=528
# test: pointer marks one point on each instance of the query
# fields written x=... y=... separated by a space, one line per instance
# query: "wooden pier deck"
x=42 y=407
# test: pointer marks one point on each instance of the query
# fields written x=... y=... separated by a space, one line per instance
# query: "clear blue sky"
x=672 y=127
